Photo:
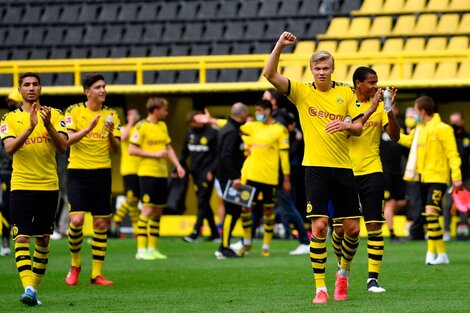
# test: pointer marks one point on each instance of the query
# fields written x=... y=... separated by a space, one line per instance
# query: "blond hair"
x=322 y=55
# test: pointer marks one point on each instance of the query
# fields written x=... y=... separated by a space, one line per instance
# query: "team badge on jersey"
x=309 y=207
x=340 y=101
x=203 y=141
x=4 y=129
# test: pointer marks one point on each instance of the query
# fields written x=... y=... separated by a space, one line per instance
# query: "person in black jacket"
x=230 y=162
x=200 y=145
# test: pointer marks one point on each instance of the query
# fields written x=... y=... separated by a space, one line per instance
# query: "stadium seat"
x=208 y=10
x=89 y=12
x=200 y=49
x=426 y=24
x=113 y=34
x=119 y=52
x=54 y=35
x=14 y=36
x=47 y=79
x=221 y=49
x=449 y=69
x=458 y=43
x=437 y=5
x=124 y=78
x=79 y=53
x=185 y=77
x=51 y=13
x=327 y=45
x=242 y=48
x=110 y=12
x=152 y=33
x=347 y=46
x=249 y=9
x=13 y=15
x=309 y=8
x=257 y=29
x=39 y=54
x=288 y=8
x=149 y=12
x=168 y=11
x=70 y=13
x=58 y=53
x=93 y=34
x=159 y=51
x=381 y=26
x=73 y=35
x=317 y=26
x=173 y=32
x=178 y=50
x=414 y=6
x=138 y=51
x=228 y=9
x=405 y=70
x=393 y=6
x=19 y=54
x=128 y=12
x=295 y=26
x=132 y=34
x=262 y=47
x=426 y=70
x=249 y=75
x=228 y=75
x=31 y=15
x=99 y=52
x=193 y=32
x=358 y=28
x=63 y=79
x=464 y=26
x=35 y=35
x=464 y=70
x=369 y=46
x=447 y=24
x=405 y=25
x=188 y=10
x=235 y=30
x=370 y=7
x=391 y=45
x=349 y=6
x=271 y=8
x=213 y=31
x=297 y=71
x=459 y=5
x=338 y=26
x=165 y=77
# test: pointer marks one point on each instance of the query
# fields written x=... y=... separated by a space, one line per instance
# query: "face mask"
x=456 y=127
x=410 y=122
x=260 y=118
x=418 y=118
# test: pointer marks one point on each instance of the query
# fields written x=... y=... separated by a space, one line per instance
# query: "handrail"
x=203 y=63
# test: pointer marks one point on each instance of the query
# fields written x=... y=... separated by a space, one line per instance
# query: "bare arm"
x=14 y=144
x=174 y=159
x=271 y=69
x=393 y=128
x=373 y=107
x=136 y=150
x=353 y=129
x=75 y=136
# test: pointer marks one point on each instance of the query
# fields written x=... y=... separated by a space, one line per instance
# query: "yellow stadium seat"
x=426 y=24
x=371 y=6
x=390 y=45
x=297 y=71
x=359 y=27
x=446 y=70
x=393 y=6
x=369 y=45
x=427 y=70
x=327 y=45
x=341 y=73
x=464 y=70
x=459 y=5
x=337 y=28
x=413 y=6
x=405 y=25
x=447 y=24
x=341 y=70
x=464 y=26
x=438 y=5
x=458 y=43
x=404 y=70
x=347 y=46
x=381 y=26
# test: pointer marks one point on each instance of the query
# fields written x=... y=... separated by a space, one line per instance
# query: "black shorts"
x=394 y=186
x=89 y=191
x=153 y=191
x=33 y=212
x=371 y=190
x=264 y=195
x=432 y=194
x=131 y=187
x=337 y=184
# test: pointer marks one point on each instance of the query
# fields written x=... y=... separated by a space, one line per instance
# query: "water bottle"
x=108 y=119
x=387 y=100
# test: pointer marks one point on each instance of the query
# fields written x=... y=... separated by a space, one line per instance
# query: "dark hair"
x=155 y=103
x=361 y=73
x=89 y=80
x=275 y=94
x=28 y=74
x=190 y=116
x=427 y=104
x=265 y=104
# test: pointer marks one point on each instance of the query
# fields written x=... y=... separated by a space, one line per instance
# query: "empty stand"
x=359 y=27
x=447 y=69
x=464 y=26
x=371 y=6
x=381 y=26
x=437 y=5
x=393 y=6
x=405 y=25
x=426 y=70
x=338 y=26
x=447 y=24
x=459 y=5
x=413 y=6
x=391 y=45
x=404 y=70
x=426 y=24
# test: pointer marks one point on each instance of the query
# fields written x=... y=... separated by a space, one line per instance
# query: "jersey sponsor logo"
x=39 y=139
x=93 y=135
x=323 y=114
x=4 y=129
x=372 y=124
x=62 y=123
x=68 y=120
x=198 y=148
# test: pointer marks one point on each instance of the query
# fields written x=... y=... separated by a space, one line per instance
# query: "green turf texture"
x=193 y=280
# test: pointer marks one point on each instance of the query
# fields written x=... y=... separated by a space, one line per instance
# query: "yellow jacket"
x=437 y=152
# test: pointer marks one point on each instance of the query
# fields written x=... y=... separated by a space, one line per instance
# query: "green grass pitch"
x=192 y=280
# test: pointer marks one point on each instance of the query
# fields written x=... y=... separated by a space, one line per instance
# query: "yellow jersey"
x=266 y=143
x=129 y=163
x=316 y=109
x=152 y=137
x=92 y=151
x=34 y=164
x=364 y=150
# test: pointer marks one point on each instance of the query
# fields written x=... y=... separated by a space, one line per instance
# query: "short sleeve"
x=284 y=138
x=117 y=126
x=136 y=136
x=70 y=119
x=59 y=123
x=6 y=129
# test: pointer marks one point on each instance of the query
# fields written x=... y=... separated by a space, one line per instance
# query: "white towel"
x=411 y=174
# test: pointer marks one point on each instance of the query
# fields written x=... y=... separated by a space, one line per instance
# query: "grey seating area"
x=64 y=29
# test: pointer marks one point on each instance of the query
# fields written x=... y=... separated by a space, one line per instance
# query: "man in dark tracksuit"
x=200 y=145
x=230 y=162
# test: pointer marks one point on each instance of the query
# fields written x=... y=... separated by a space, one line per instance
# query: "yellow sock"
x=142 y=232
x=153 y=232
x=23 y=263
x=99 y=245
x=75 y=238
x=246 y=224
x=435 y=234
x=337 y=242
x=318 y=260
x=121 y=213
x=40 y=259
x=134 y=214
x=375 y=251
x=349 y=249
x=226 y=230
x=268 y=229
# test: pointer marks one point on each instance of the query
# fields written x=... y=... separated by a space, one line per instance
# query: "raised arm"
x=271 y=69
